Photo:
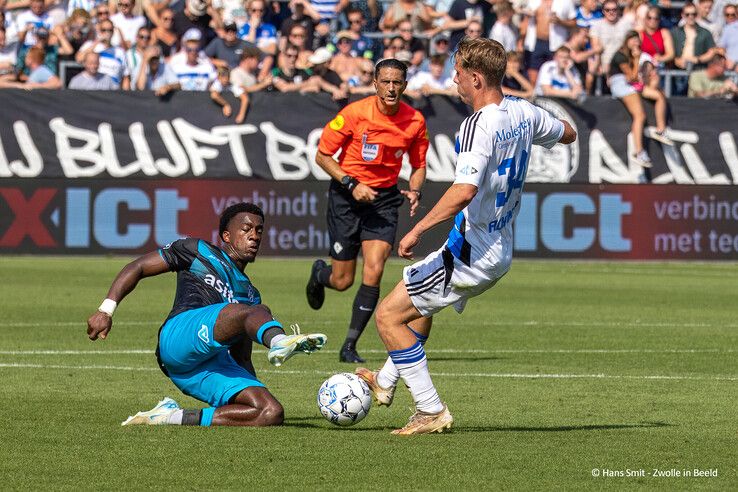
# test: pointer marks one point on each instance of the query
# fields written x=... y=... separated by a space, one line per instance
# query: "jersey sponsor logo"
x=204 y=334
x=223 y=289
x=369 y=151
x=513 y=133
x=337 y=123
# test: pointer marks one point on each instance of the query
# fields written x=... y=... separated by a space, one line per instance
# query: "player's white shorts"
x=441 y=280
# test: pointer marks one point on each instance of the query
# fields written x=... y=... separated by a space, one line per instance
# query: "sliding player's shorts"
x=196 y=363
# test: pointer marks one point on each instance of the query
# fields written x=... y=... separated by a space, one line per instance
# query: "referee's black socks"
x=324 y=276
x=364 y=303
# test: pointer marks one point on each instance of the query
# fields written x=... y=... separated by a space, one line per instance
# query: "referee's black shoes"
x=315 y=291
x=348 y=354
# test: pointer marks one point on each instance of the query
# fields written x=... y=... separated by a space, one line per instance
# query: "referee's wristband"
x=108 y=307
x=419 y=193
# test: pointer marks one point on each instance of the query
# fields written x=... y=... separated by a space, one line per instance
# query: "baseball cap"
x=197 y=7
x=230 y=26
x=321 y=55
x=192 y=34
x=404 y=56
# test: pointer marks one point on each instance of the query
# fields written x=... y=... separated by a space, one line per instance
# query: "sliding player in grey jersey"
x=493 y=148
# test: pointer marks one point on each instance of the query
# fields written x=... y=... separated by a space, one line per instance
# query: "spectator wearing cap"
x=729 y=37
x=303 y=15
x=29 y=21
x=286 y=77
x=223 y=84
x=514 y=82
x=712 y=82
x=90 y=79
x=194 y=72
x=127 y=24
x=135 y=54
x=226 y=51
x=164 y=34
x=155 y=74
x=39 y=77
x=432 y=81
x=559 y=77
x=199 y=15
x=344 y=63
x=256 y=30
x=246 y=74
x=693 y=44
x=503 y=30
x=53 y=45
x=364 y=83
x=323 y=78
x=112 y=58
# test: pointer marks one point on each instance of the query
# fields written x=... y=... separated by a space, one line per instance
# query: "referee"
x=363 y=199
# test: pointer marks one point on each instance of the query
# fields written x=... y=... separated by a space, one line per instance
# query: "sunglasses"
x=103 y=12
x=192 y=50
x=297 y=35
x=355 y=21
x=144 y=37
x=609 y=11
x=106 y=30
x=653 y=18
x=124 y=5
x=256 y=10
x=730 y=14
x=689 y=14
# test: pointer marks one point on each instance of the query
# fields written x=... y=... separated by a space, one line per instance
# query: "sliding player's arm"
x=99 y=324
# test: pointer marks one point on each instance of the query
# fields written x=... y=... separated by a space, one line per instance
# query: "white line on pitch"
x=434 y=374
x=527 y=323
x=430 y=351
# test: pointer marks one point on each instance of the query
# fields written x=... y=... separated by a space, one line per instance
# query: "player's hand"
x=363 y=193
x=412 y=196
x=405 y=250
x=98 y=325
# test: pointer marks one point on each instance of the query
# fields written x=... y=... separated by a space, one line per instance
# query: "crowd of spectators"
x=556 y=48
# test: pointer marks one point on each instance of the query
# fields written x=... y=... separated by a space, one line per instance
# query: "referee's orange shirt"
x=372 y=144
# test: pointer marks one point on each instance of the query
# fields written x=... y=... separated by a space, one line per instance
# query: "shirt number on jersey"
x=515 y=177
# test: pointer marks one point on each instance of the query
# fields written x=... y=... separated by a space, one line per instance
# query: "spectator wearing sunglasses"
x=164 y=34
x=135 y=55
x=256 y=30
x=693 y=44
x=194 y=72
x=112 y=58
x=656 y=41
x=127 y=24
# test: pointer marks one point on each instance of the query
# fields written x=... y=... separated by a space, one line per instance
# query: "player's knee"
x=272 y=414
x=342 y=282
x=372 y=274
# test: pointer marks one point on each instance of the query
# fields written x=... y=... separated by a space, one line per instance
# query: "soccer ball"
x=344 y=399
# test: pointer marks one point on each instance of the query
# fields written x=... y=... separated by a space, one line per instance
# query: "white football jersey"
x=493 y=148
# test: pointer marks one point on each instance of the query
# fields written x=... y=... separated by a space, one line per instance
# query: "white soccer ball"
x=344 y=399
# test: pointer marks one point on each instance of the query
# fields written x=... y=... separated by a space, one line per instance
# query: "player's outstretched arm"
x=456 y=198
x=148 y=265
x=570 y=135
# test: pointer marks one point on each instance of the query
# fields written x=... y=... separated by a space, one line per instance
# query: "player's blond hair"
x=485 y=56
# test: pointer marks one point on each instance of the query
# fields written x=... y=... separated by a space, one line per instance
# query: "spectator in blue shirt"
x=258 y=32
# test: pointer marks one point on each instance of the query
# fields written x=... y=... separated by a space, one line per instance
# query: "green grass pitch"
x=563 y=368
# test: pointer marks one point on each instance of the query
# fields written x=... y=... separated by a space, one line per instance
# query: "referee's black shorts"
x=351 y=222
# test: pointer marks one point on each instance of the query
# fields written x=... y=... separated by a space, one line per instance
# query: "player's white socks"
x=389 y=375
x=413 y=368
x=176 y=417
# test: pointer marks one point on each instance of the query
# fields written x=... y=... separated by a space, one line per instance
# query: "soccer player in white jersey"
x=493 y=148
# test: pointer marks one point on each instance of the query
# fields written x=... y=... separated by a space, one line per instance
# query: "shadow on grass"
x=563 y=428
